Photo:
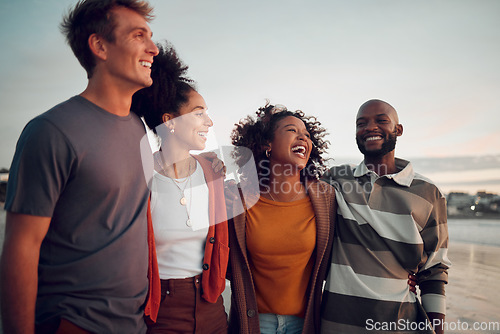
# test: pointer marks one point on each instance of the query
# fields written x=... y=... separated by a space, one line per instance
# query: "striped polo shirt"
x=388 y=226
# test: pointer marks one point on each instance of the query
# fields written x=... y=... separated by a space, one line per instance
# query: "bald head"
x=378 y=106
x=377 y=128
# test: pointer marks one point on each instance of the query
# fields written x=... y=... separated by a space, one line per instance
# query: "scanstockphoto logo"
x=342 y=179
x=236 y=199
x=405 y=325
x=241 y=183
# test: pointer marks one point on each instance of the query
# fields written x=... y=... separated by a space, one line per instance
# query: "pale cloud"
x=481 y=145
x=436 y=62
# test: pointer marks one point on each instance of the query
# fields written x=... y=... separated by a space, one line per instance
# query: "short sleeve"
x=40 y=169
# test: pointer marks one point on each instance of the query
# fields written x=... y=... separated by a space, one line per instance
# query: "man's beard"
x=388 y=146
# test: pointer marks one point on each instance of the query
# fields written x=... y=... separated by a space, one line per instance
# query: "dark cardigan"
x=243 y=316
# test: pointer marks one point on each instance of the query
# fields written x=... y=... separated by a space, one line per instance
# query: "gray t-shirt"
x=82 y=166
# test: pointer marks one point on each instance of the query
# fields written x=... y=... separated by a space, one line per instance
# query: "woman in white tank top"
x=187 y=204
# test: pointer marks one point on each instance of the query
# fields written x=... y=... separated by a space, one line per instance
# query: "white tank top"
x=180 y=248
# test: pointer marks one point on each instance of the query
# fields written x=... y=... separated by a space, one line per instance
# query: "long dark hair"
x=169 y=90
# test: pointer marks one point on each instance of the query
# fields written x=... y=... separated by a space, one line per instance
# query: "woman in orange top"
x=280 y=246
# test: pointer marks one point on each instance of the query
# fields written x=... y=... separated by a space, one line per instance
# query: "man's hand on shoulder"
x=412 y=283
x=217 y=164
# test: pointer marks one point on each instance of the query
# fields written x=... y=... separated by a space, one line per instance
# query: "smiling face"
x=377 y=128
x=128 y=59
x=192 y=124
x=291 y=146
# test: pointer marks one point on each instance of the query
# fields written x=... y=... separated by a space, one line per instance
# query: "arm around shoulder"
x=432 y=281
x=19 y=270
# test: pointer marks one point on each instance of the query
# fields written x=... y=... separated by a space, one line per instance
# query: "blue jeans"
x=271 y=323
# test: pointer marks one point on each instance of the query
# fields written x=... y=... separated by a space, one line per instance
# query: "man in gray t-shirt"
x=75 y=255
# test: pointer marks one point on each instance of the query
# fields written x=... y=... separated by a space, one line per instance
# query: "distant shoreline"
x=481 y=217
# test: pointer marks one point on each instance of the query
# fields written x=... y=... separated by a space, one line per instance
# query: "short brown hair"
x=96 y=17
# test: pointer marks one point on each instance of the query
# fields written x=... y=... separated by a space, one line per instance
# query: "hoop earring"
x=268 y=153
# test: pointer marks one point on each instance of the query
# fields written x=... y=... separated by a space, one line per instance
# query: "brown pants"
x=67 y=327
x=62 y=327
x=182 y=310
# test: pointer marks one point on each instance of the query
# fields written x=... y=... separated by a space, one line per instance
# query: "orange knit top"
x=281 y=239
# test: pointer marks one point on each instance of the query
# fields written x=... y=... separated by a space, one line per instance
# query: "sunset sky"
x=436 y=62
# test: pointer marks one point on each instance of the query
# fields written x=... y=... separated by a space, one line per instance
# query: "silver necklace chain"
x=183 y=201
x=176 y=183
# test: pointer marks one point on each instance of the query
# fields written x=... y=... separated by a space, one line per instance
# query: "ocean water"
x=476 y=231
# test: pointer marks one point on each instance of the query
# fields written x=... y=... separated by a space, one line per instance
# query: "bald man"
x=392 y=223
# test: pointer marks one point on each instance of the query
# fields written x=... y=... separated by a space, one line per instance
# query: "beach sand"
x=472 y=295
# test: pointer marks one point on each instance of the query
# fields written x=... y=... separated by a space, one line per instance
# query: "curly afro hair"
x=169 y=90
x=255 y=133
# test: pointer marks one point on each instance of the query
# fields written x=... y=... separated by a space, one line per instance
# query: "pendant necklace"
x=183 y=201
